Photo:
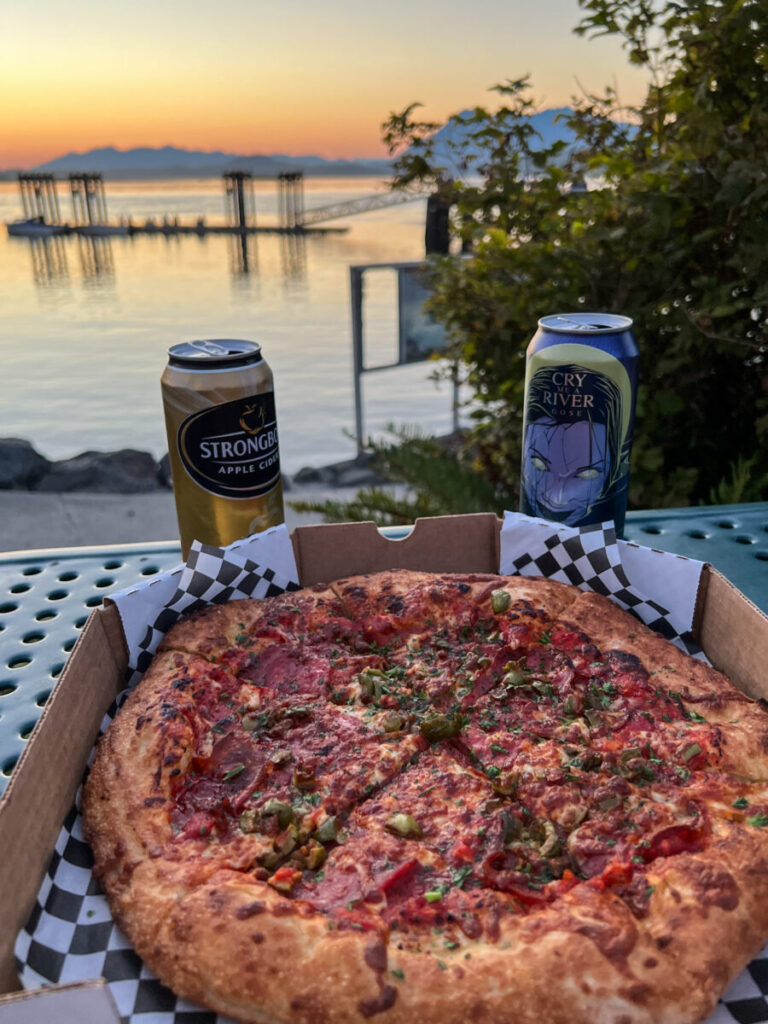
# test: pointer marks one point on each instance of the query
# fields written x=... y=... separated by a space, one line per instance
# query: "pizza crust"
x=206 y=918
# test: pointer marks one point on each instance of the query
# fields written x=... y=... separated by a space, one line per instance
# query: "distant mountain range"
x=176 y=162
x=545 y=123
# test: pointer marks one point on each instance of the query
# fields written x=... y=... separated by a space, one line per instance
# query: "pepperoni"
x=673 y=840
x=286 y=670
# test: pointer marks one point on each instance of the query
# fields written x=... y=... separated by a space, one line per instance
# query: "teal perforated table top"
x=46 y=596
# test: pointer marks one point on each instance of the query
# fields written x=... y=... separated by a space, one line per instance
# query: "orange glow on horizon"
x=260 y=79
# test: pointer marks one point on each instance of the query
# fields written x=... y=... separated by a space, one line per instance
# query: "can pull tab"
x=583 y=325
x=210 y=348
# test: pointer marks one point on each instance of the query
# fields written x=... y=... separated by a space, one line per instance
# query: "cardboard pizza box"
x=732 y=631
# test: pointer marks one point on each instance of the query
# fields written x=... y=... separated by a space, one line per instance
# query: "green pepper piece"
x=440 y=727
x=404 y=825
x=513 y=829
x=630 y=753
x=327 y=830
x=370 y=682
x=500 y=601
x=287 y=841
x=691 y=751
x=551 y=844
x=506 y=782
x=316 y=855
x=283 y=811
x=571 y=704
x=609 y=802
x=249 y=821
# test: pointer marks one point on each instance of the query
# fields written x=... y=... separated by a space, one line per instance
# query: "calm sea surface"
x=85 y=324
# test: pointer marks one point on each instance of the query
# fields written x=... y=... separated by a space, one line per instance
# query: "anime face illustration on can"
x=572 y=464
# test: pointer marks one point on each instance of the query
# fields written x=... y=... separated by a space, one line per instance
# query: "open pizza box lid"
x=732 y=631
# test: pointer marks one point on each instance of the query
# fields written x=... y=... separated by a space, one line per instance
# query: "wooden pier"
x=42 y=213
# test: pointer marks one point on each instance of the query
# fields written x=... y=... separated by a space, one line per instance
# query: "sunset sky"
x=269 y=76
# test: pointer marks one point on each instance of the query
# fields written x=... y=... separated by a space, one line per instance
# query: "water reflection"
x=96 y=258
x=49 y=260
x=293 y=253
x=243 y=255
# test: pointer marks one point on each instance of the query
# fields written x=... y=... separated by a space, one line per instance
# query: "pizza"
x=435 y=798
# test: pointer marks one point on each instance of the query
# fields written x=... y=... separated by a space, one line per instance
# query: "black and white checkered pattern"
x=70 y=935
x=590 y=558
x=209 y=577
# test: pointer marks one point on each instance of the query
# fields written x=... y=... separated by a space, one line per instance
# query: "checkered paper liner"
x=658 y=588
x=71 y=936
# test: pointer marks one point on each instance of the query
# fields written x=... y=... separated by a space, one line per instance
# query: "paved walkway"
x=36 y=519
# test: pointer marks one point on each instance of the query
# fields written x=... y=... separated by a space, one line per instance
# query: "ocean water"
x=85 y=324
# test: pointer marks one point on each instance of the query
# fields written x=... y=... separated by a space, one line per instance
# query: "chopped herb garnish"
x=233 y=772
x=741 y=803
x=758 y=820
x=460 y=875
x=398 y=973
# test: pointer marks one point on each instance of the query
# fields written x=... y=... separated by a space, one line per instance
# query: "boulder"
x=20 y=465
x=357 y=472
x=123 y=472
x=312 y=475
x=164 y=467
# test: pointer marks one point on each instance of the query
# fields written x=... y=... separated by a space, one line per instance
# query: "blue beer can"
x=580 y=389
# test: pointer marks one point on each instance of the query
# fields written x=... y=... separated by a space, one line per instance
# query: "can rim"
x=585 y=323
x=209 y=353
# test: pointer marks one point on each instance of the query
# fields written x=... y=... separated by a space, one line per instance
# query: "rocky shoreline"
x=128 y=471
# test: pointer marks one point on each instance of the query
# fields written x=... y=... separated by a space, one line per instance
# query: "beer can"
x=580 y=389
x=219 y=405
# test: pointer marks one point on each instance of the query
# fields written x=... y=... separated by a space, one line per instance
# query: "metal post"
x=455 y=401
x=51 y=215
x=88 y=209
x=299 y=200
x=55 y=197
x=242 y=220
x=23 y=191
x=102 y=199
x=356 y=295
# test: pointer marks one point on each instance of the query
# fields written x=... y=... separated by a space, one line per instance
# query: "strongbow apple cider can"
x=580 y=387
x=219 y=405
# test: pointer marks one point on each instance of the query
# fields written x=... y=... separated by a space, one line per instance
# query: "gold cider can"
x=219 y=404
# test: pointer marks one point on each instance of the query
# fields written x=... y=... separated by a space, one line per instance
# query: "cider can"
x=578 y=416
x=220 y=418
